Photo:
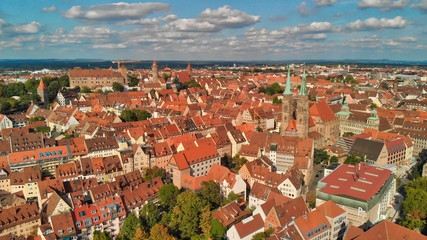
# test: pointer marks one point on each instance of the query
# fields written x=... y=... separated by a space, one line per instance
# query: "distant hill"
x=36 y=64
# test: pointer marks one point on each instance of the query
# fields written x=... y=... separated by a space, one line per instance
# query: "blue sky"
x=214 y=29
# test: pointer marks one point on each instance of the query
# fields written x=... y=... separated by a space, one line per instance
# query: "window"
x=82 y=214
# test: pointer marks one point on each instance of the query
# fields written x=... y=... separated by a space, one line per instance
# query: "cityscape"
x=198 y=120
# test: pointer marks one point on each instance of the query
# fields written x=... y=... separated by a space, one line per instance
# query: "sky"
x=236 y=30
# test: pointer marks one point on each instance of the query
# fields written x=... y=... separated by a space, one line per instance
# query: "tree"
x=85 y=89
x=185 y=215
x=128 y=115
x=276 y=88
x=160 y=232
x=320 y=156
x=238 y=162
x=118 y=87
x=101 y=235
x=333 y=159
x=64 y=81
x=348 y=134
x=373 y=105
x=53 y=88
x=168 y=194
x=414 y=207
x=5 y=106
x=129 y=227
x=353 y=159
x=205 y=221
x=263 y=235
x=133 y=81
x=140 y=234
x=218 y=230
x=311 y=199
x=230 y=198
x=211 y=193
x=150 y=173
x=259 y=129
x=150 y=215
x=276 y=100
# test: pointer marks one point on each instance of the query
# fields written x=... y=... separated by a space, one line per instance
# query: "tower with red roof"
x=154 y=70
x=295 y=110
x=43 y=92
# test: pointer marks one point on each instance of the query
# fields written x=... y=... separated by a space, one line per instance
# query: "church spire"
x=303 y=89
x=288 y=84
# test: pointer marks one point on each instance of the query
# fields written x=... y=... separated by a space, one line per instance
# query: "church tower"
x=154 y=70
x=302 y=110
x=43 y=92
x=287 y=108
x=295 y=110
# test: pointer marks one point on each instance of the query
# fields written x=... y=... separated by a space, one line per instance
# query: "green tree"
x=218 y=230
x=53 y=88
x=263 y=235
x=31 y=85
x=238 y=162
x=118 y=87
x=150 y=215
x=276 y=100
x=64 y=81
x=230 y=198
x=128 y=115
x=320 y=156
x=160 y=232
x=373 y=105
x=85 y=89
x=129 y=227
x=101 y=235
x=348 y=134
x=168 y=194
x=276 y=88
x=133 y=81
x=186 y=214
x=211 y=193
x=333 y=159
x=205 y=221
x=150 y=173
x=5 y=106
x=353 y=159
x=142 y=114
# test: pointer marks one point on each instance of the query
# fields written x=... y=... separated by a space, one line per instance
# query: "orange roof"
x=41 y=85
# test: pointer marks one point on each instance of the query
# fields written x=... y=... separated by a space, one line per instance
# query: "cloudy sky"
x=214 y=29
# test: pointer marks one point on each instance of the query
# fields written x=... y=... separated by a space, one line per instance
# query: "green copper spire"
x=288 y=84
x=303 y=90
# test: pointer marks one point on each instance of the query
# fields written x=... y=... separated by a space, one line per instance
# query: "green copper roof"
x=303 y=90
x=288 y=84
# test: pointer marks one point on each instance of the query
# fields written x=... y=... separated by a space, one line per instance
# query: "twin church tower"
x=295 y=110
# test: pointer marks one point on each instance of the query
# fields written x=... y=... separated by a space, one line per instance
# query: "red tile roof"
x=249 y=225
x=360 y=182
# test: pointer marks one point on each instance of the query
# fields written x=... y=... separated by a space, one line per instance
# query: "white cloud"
x=314 y=36
x=115 y=11
x=12 y=29
x=49 y=9
x=422 y=6
x=24 y=39
x=385 y=5
x=391 y=43
x=325 y=2
x=110 y=45
x=225 y=17
x=149 y=21
x=192 y=25
x=302 y=9
x=376 y=24
x=407 y=39
x=32 y=27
